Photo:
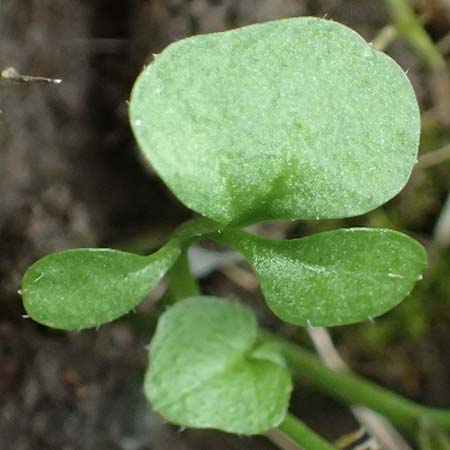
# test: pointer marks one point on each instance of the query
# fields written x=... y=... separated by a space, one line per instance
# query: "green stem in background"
x=353 y=389
x=302 y=435
x=181 y=282
x=384 y=37
x=431 y=437
x=409 y=25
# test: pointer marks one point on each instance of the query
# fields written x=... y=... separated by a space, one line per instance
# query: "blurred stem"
x=302 y=435
x=385 y=36
x=281 y=440
x=409 y=25
x=443 y=441
x=434 y=157
x=442 y=228
x=432 y=438
x=385 y=435
x=182 y=283
x=353 y=389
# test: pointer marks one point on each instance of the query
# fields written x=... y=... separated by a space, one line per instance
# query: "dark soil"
x=70 y=176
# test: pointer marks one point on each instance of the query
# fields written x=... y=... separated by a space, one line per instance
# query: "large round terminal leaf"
x=333 y=278
x=206 y=370
x=293 y=119
x=84 y=288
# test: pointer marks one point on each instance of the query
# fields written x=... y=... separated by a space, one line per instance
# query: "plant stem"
x=152 y=238
x=181 y=282
x=195 y=228
x=303 y=435
x=384 y=433
x=385 y=36
x=281 y=440
x=441 y=230
x=353 y=389
x=432 y=438
x=410 y=26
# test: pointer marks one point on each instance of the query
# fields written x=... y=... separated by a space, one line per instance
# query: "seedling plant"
x=293 y=119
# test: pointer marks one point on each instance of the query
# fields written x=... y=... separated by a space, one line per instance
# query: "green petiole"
x=353 y=389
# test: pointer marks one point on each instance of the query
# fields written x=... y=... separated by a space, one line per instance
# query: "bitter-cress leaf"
x=293 y=119
x=332 y=278
x=84 y=288
x=207 y=371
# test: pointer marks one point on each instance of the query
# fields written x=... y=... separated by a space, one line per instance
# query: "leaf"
x=293 y=119
x=84 y=288
x=332 y=278
x=206 y=370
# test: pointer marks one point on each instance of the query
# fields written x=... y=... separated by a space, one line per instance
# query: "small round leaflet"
x=207 y=369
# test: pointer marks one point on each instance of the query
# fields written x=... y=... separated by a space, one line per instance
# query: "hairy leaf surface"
x=293 y=119
x=333 y=278
x=84 y=288
x=206 y=370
